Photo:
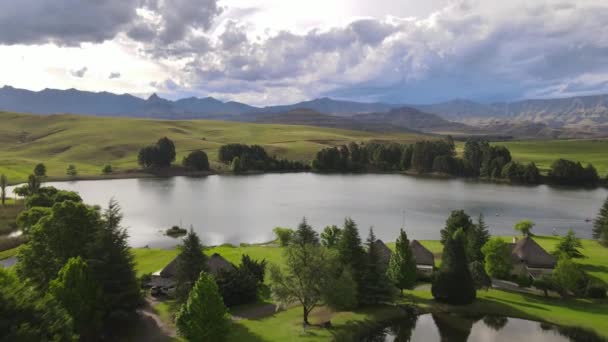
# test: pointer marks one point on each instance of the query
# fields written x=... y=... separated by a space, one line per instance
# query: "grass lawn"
x=8 y=214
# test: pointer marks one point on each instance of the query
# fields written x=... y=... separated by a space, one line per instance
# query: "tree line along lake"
x=245 y=208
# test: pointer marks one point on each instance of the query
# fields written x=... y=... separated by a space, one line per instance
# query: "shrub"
x=107 y=169
x=237 y=286
x=71 y=170
x=196 y=160
x=523 y=279
x=596 y=291
x=255 y=267
x=283 y=235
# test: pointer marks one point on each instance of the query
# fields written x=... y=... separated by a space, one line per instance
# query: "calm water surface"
x=457 y=328
x=234 y=209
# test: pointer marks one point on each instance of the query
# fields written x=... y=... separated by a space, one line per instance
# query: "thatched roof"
x=384 y=252
x=214 y=263
x=527 y=251
x=422 y=255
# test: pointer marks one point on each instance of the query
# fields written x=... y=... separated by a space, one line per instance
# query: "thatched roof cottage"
x=528 y=255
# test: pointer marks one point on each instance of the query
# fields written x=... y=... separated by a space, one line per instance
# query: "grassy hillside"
x=91 y=142
x=544 y=152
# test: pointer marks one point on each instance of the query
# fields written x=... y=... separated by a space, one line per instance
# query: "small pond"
x=459 y=328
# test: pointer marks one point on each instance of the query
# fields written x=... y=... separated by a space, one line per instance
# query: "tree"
x=113 y=269
x=196 y=160
x=305 y=234
x=80 y=295
x=235 y=165
x=65 y=233
x=237 y=286
x=28 y=218
x=28 y=315
x=304 y=277
x=71 y=170
x=204 y=316
x=351 y=253
x=531 y=174
x=568 y=246
x=544 y=283
x=147 y=156
x=453 y=283
x=498 y=261
x=107 y=169
x=600 y=225
x=402 y=266
x=569 y=277
x=166 y=152
x=330 y=236
x=283 y=235
x=191 y=261
x=40 y=170
x=3 y=185
x=524 y=227
x=376 y=287
x=473 y=236
x=477 y=236
x=479 y=275
x=341 y=292
x=255 y=267
x=33 y=184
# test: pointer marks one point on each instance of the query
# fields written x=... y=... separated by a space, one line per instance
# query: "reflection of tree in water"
x=495 y=322
x=402 y=329
x=577 y=334
x=454 y=328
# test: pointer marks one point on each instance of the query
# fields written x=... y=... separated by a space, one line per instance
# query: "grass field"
x=91 y=142
x=286 y=325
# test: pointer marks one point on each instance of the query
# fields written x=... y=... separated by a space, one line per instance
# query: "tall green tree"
x=203 y=317
x=600 y=225
x=453 y=284
x=497 y=259
x=351 y=253
x=568 y=246
x=26 y=314
x=196 y=160
x=524 y=227
x=80 y=295
x=330 y=236
x=376 y=287
x=113 y=269
x=3 y=185
x=402 y=266
x=304 y=278
x=33 y=184
x=67 y=232
x=568 y=277
x=191 y=261
x=283 y=235
x=477 y=236
x=305 y=234
x=40 y=170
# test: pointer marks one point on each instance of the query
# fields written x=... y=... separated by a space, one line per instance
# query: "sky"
x=265 y=52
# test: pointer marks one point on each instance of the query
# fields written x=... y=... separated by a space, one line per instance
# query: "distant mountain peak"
x=154 y=97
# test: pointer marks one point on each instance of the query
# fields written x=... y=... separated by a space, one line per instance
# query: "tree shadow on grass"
x=240 y=333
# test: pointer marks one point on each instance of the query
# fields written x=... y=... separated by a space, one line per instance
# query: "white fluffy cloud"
x=405 y=53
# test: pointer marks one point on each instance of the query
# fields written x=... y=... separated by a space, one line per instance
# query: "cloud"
x=114 y=75
x=79 y=73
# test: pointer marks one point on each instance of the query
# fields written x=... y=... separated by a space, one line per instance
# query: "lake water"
x=458 y=328
x=234 y=209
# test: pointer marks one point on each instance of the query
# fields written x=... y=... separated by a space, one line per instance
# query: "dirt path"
x=148 y=312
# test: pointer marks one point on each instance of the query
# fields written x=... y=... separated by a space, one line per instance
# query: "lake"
x=459 y=328
x=234 y=209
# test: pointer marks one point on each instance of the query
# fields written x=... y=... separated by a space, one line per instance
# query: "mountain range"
x=572 y=116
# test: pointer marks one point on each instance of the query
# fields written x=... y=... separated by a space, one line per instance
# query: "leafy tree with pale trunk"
x=524 y=227
x=402 y=266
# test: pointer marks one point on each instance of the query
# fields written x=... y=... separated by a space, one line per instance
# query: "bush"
x=71 y=170
x=107 y=169
x=523 y=279
x=596 y=291
x=256 y=268
x=237 y=286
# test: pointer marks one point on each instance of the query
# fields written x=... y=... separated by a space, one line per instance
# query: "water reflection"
x=446 y=327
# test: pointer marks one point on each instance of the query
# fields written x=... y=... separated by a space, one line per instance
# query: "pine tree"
x=376 y=287
x=402 y=266
x=113 y=268
x=80 y=295
x=568 y=246
x=204 y=316
x=190 y=263
x=600 y=225
x=453 y=284
x=304 y=234
x=351 y=253
x=476 y=238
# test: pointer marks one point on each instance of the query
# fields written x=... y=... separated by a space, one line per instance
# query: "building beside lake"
x=163 y=281
x=528 y=256
x=425 y=260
